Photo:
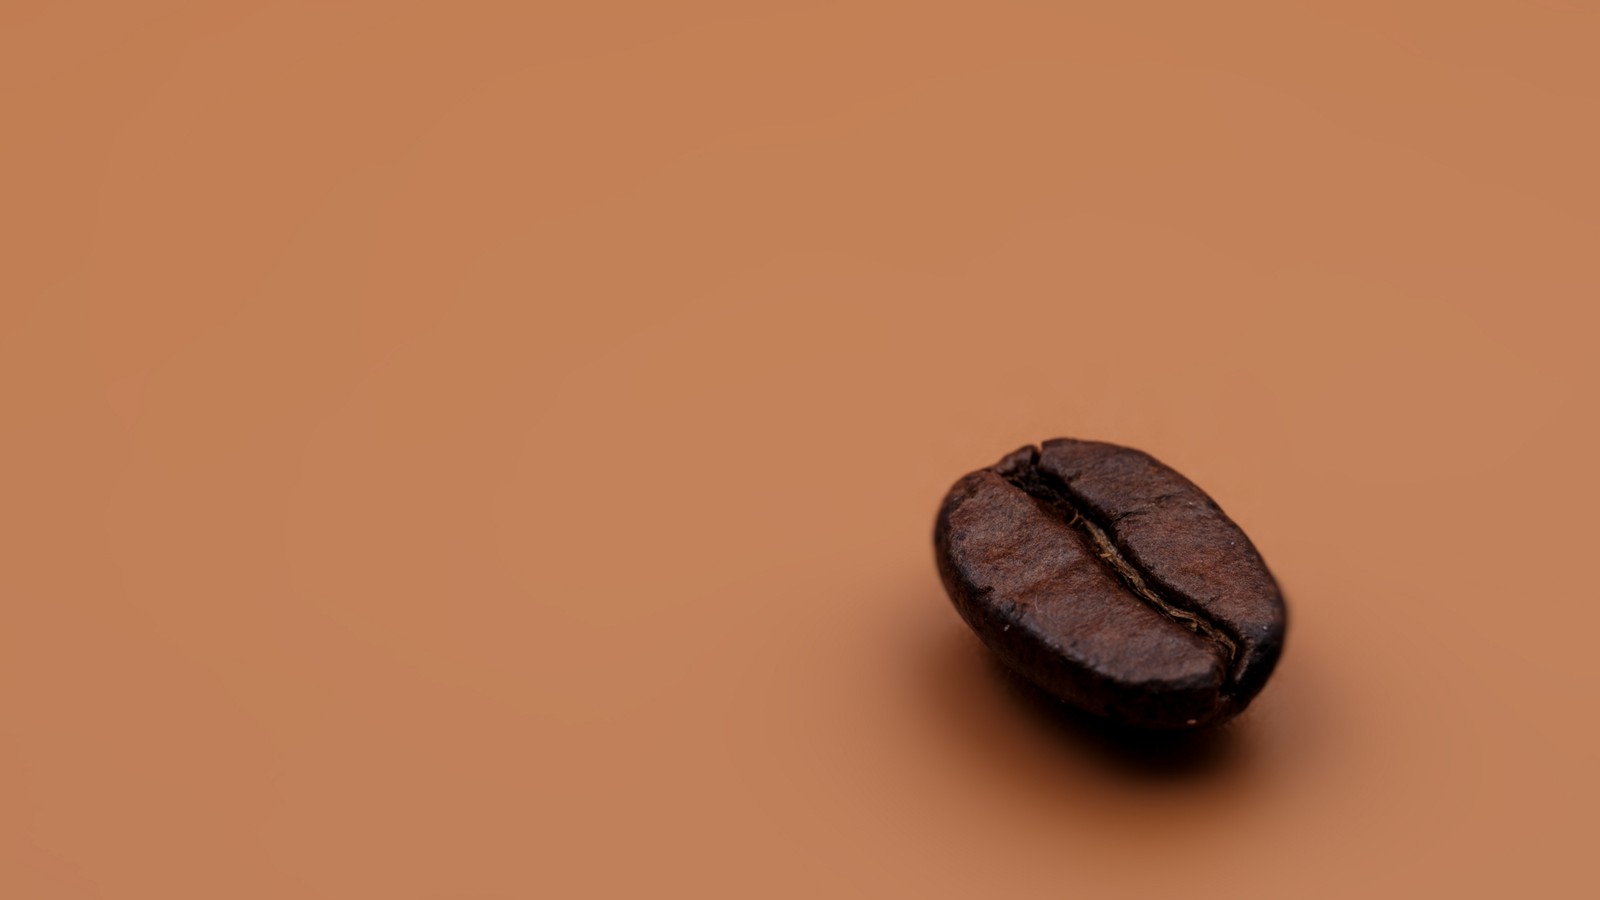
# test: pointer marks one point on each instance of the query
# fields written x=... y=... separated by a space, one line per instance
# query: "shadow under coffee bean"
x=1111 y=582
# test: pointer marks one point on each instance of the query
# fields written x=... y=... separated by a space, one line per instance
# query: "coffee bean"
x=1112 y=582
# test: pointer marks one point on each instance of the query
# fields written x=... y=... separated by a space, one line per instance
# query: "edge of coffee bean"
x=1113 y=583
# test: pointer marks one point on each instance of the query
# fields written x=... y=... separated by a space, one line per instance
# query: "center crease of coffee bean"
x=1055 y=496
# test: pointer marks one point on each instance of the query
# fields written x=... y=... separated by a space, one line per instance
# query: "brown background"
x=490 y=450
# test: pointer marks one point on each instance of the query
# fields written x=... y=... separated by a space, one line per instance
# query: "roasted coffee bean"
x=1112 y=582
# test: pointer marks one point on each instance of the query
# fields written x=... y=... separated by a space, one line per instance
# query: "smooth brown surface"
x=488 y=450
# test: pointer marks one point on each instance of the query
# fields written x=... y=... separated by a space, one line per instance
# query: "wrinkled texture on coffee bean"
x=1112 y=582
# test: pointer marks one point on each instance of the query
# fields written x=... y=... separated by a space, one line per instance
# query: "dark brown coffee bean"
x=1112 y=582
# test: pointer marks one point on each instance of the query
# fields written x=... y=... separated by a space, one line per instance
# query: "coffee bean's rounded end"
x=1113 y=583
